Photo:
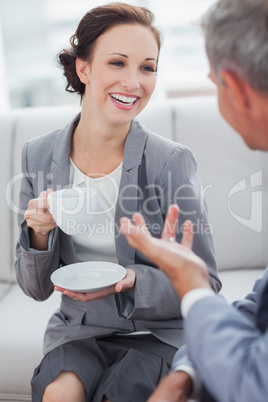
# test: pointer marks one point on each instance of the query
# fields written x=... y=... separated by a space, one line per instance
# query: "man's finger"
x=138 y=219
x=188 y=235
x=141 y=226
x=137 y=233
x=170 y=226
x=125 y=226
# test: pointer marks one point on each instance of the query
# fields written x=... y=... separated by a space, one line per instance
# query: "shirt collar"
x=79 y=177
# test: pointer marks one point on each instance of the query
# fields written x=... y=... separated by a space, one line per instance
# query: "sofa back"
x=234 y=178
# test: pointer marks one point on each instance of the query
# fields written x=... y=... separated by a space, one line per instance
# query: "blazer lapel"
x=60 y=165
x=60 y=169
x=129 y=189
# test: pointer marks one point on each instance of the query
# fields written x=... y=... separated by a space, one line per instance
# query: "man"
x=227 y=345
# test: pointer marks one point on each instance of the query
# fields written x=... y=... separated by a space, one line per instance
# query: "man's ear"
x=237 y=91
x=82 y=70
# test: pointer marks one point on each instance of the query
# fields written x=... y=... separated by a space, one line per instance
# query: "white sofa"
x=236 y=188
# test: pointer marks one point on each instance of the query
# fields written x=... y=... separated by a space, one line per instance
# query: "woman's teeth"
x=124 y=100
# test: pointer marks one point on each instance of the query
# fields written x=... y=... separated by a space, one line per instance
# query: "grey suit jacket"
x=227 y=348
x=156 y=172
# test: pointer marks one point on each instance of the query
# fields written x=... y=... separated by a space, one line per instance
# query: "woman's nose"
x=130 y=81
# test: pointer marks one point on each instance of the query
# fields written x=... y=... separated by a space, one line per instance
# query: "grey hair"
x=236 y=37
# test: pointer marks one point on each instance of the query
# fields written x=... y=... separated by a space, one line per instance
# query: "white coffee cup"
x=73 y=209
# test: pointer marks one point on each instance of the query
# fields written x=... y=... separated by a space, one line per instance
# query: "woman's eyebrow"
x=119 y=54
x=124 y=55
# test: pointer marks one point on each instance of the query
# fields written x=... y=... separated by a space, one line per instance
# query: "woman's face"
x=121 y=77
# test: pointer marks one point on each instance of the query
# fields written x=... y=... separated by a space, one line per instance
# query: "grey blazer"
x=156 y=172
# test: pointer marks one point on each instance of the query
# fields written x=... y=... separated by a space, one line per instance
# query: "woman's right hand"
x=40 y=220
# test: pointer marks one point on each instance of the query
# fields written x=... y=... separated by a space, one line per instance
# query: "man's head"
x=236 y=37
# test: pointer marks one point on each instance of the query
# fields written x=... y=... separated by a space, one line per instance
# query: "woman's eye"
x=149 y=68
x=117 y=63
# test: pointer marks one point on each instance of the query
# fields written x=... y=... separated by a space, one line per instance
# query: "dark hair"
x=93 y=24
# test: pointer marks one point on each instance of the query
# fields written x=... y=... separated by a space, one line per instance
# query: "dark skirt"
x=124 y=368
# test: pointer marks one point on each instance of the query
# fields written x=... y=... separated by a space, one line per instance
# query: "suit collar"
x=134 y=147
x=60 y=167
x=133 y=153
x=129 y=188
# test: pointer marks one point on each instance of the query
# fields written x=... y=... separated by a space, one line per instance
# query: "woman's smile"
x=124 y=101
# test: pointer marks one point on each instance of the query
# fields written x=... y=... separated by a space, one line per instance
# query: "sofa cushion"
x=6 y=150
x=237 y=283
x=23 y=323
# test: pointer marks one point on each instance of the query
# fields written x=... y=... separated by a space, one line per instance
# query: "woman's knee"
x=67 y=387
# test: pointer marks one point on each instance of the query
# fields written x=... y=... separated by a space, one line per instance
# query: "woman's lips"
x=125 y=102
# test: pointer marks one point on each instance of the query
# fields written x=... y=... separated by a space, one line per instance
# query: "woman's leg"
x=74 y=368
x=67 y=387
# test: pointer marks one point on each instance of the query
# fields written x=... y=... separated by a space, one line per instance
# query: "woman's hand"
x=185 y=269
x=127 y=283
x=40 y=220
x=176 y=387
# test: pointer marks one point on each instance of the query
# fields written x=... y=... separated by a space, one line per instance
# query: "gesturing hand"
x=185 y=269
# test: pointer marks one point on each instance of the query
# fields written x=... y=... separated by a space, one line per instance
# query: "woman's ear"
x=236 y=88
x=83 y=70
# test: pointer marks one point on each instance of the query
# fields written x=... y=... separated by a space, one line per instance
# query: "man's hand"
x=176 y=387
x=185 y=269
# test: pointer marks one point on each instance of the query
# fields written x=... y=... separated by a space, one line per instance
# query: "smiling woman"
x=117 y=342
x=95 y=23
x=118 y=78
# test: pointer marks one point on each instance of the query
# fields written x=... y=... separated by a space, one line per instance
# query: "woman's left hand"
x=127 y=283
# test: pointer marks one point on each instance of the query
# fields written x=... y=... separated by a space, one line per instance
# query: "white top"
x=99 y=243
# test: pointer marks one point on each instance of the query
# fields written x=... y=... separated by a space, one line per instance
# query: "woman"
x=114 y=344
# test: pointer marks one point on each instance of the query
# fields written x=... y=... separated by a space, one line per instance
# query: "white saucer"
x=89 y=276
